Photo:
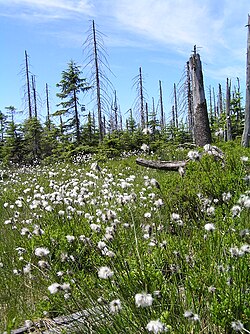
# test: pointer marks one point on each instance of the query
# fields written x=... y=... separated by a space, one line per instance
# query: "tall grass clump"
x=144 y=250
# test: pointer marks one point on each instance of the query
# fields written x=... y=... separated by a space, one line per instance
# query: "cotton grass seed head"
x=143 y=299
x=115 y=306
x=41 y=251
x=156 y=326
x=237 y=326
x=105 y=272
x=209 y=227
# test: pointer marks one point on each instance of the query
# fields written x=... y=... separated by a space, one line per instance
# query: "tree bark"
x=190 y=103
x=246 y=133
x=202 y=133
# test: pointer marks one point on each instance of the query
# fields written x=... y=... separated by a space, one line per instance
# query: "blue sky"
x=157 y=35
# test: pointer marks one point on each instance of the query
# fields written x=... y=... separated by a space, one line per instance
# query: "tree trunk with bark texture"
x=202 y=133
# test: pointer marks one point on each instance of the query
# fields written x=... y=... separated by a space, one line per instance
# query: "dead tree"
x=190 y=102
x=98 y=88
x=164 y=165
x=48 y=108
x=175 y=107
x=202 y=133
x=146 y=110
x=220 y=101
x=246 y=132
x=33 y=81
x=228 y=112
x=173 y=116
x=28 y=84
x=115 y=108
x=140 y=100
x=162 y=120
x=96 y=58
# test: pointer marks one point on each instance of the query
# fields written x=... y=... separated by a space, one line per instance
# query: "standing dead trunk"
x=173 y=117
x=162 y=122
x=141 y=99
x=190 y=103
x=246 y=133
x=33 y=81
x=116 y=112
x=202 y=133
x=228 y=114
x=28 y=84
x=146 y=107
x=220 y=111
x=47 y=104
x=98 y=88
x=175 y=107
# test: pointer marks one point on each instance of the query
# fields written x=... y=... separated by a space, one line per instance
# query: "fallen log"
x=165 y=165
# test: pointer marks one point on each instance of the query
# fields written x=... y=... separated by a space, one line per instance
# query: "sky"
x=156 y=35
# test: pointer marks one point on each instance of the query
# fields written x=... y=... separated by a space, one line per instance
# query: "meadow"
x=152 y=251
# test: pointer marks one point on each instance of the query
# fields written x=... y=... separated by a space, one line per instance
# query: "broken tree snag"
x=201 y=129
x=165 y=165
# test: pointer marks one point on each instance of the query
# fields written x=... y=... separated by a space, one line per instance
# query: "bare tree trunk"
x=215 y=108
x=28 y=84
x=162 y=121
x=175 y=107
x=116 y=112
x=190 y=103
x=98 y=88
x=228 y=113
x=202 y=133
x=220 y=102
x=246 y=133
x=146 y=107
x=33 y=80
x=153 y=116
x=173 y=117
x=47 y=104
x=141 y=99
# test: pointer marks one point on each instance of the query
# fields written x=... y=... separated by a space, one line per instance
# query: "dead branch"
x=165 y=165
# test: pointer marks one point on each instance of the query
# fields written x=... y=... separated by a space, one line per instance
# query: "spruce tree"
x=71 y=85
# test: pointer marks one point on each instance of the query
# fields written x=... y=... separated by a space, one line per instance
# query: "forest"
x=69 y=130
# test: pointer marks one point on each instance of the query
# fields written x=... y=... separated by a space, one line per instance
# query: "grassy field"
x=155 y=251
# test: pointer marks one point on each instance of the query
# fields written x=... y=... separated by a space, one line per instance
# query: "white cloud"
x=45 y=9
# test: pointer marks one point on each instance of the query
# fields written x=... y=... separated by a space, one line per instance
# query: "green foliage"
x=175 y=238
x=71 y=85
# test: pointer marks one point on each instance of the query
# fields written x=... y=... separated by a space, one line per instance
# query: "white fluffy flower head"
x=156 y=326
x=143 y=299
x=41 y=251
x=105 y=273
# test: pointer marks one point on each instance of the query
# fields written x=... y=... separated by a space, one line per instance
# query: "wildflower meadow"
x=149 y=251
